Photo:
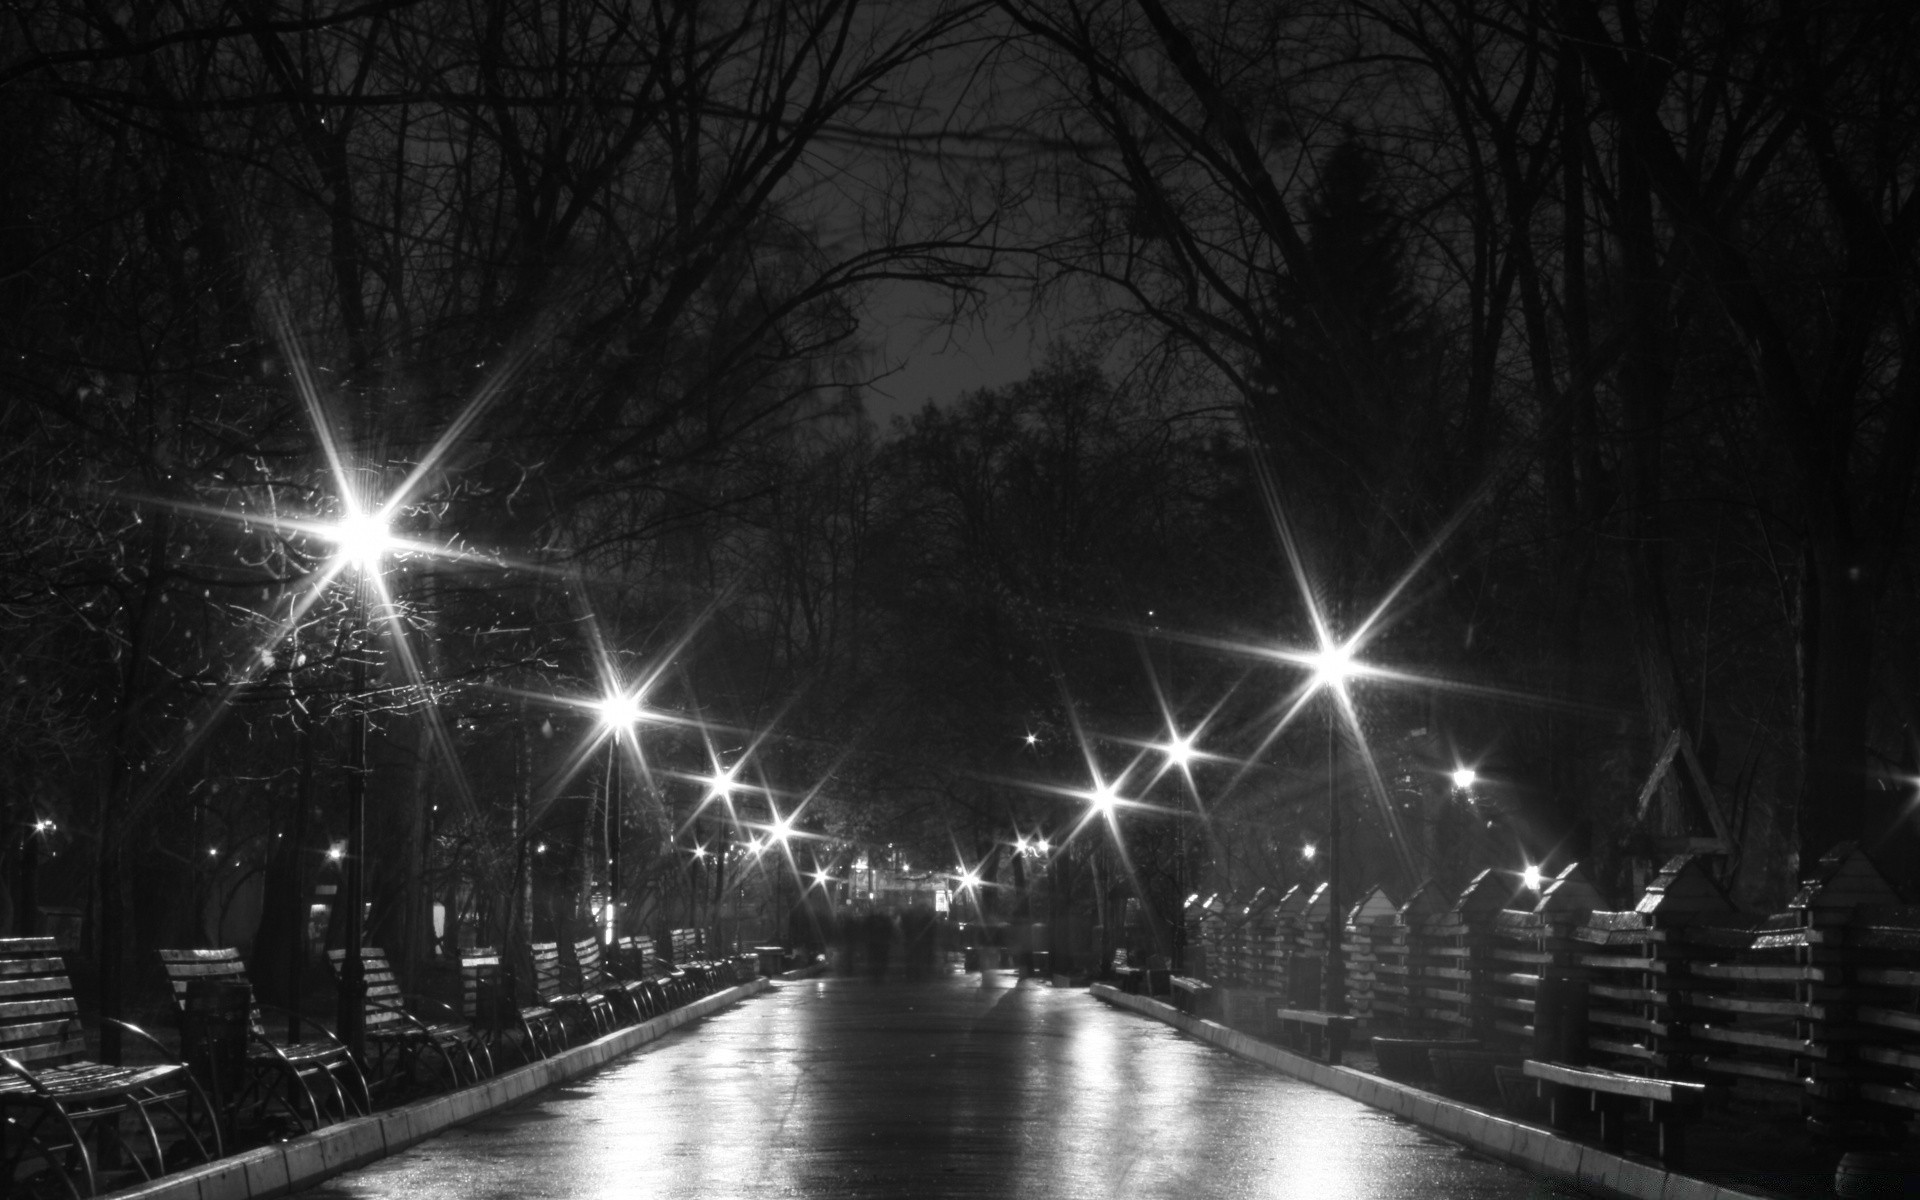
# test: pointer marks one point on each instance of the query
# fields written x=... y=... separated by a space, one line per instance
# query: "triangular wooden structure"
x=1570 y=893
x=1375 y=904
x=1706 y=823
x=1684 y=892
x=1428 y=900
x=1845 y=878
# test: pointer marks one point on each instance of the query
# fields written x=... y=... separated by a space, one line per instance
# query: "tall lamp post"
x=1332 y=666
x=620 y=714
x=364 y=538
x=778 y=834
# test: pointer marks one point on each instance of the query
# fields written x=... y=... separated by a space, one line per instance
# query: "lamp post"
x=1332 y=666
x=619 y=714
x=778 y=834
x=363 y=538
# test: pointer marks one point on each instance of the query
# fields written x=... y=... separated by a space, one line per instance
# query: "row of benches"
x=69 y=1123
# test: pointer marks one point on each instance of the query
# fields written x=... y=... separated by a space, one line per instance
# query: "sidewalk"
x=300 y=1163
x=1532 y=1147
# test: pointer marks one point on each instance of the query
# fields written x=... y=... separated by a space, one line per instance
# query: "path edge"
x=302 y=1162
x=1533 y=1148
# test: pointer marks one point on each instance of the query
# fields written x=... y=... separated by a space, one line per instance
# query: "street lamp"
x=779 y=831
x=1332 y=665
x=619 y=714
x=363 y=538
x=1464 y=778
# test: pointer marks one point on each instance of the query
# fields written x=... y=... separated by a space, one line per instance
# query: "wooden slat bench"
x=1668 y=1103
x=487 y=1003
x=1191 y=996
x=402 y=1039
x=671 y=986
x=57 y=1108
x=628 y=996
x=284 y=1075
x=591 y=1009
x=1321 y=1035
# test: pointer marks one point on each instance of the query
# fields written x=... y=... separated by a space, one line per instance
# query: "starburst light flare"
x=620 y=712
x=364 y=539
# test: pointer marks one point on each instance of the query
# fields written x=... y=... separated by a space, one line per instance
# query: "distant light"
x=1020 y=846
x=1043 y=846
x=782 y=829
x=212 y=853
x=619 y=711
x=1464 y=778
x=821 y=877
x=540 y=849
x=1105 y=798
x=699 y=851
x=364 y=538
x=1332 y=665
x=336 y=853
x=1033 y=739
x=969 y=879
x=1179 y=751
x=1308 y=851
x=1530 y=878
x=720 y=783
x=42 y=825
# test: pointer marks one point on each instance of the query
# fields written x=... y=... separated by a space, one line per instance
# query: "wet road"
x=954 y=1087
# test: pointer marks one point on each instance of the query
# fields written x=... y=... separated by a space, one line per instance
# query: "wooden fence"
x=1814 y=1009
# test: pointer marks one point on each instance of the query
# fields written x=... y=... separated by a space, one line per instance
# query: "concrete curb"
x=305 y=1161
x=1531 y=1147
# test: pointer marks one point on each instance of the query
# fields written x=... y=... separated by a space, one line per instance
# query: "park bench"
x=282 y=1074
x=1668 y=1103
x=1190 y=995
x=688 y=958
x=671 y=985
x=1317 y=1034
x=1132 y=979
x=588 y=1008
x=64 y=1115
x=487 y=1004
x=400 y=1038
x=629 y=996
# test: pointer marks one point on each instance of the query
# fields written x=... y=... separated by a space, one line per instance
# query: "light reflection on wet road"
x=844 y=1088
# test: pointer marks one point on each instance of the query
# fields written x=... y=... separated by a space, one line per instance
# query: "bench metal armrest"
x=160 y=1048
x=14 y=1066
x=435 y=1003
x=300 y=1018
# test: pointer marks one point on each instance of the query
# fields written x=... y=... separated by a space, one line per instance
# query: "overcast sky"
x=930 y=360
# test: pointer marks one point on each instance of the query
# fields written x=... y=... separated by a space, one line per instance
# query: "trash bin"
x=770 y=959
x=215 y=1021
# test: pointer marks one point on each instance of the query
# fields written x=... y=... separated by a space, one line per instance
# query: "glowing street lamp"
x=1464 y=778
x=1332 y=666
x=364 y=538
x=620 y=712
x=1105 y=797
x=1179 y=751
x=1530 y=877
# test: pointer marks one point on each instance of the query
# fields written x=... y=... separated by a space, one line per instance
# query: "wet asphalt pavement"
x=950 y=1087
